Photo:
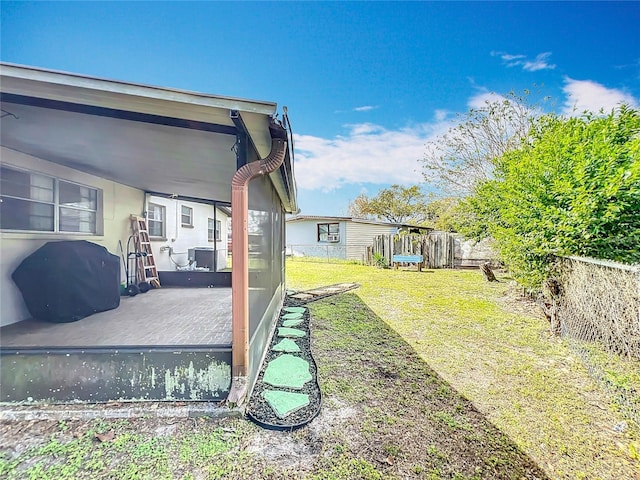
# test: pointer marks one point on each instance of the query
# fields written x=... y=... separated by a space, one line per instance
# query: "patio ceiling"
x=150 y=138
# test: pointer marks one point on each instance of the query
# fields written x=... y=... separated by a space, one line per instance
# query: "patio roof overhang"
x=151 y=138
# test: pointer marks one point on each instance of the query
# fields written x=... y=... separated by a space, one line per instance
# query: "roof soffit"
x=100 y=92
x=127 y=97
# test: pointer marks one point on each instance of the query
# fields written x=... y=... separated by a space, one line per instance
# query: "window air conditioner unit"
x=333 y=238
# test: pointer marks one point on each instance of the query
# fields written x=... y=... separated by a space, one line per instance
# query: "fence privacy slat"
x=437 y=248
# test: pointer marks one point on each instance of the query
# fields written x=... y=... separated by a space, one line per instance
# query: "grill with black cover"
x=68 y=280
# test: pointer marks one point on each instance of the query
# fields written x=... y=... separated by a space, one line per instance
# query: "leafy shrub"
x=379 y=260
x=573 y=189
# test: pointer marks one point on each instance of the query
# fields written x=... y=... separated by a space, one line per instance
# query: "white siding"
x=118 y=202
x=302 y=239
x=302 y=232
x=180 y=239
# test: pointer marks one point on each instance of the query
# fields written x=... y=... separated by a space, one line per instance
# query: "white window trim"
x=330 y=237
x=190 y=224
x=99 y=223
x=163 y=210
x=218 y=231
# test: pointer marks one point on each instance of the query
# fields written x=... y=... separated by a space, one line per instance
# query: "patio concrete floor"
x=160 y=317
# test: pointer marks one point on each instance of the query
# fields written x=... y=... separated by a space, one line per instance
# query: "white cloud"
x=369 y=153
x=539 y=63
x=441 y=115
x=482 y=98
x=587 y=95
x=364 y=128
x=509 y=58
x=365 y=108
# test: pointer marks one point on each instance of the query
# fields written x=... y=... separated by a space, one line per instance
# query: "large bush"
x=572 y=189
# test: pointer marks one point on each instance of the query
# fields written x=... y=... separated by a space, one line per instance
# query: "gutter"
x=240 y=259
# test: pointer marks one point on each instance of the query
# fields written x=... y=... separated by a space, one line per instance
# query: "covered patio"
x=159 y=318
x=118 y=144
x=168 y=344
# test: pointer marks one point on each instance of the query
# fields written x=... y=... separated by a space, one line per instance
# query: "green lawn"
x=432 y=375
x=488 y=347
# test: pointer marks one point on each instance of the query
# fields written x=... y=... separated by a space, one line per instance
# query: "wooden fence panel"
x=437 y=248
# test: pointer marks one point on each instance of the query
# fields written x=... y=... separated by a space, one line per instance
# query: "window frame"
x=214 y=231
x=57 y=216
x=190 y=215
x=76 y=208
x=162 y=221
x=322 y=237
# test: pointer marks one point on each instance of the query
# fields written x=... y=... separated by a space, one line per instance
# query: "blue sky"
x=367 y=84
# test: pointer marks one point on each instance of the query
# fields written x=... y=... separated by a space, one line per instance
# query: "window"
x=187 y=216
x=34 y=202
x=328 y=232
x=214 y=233
x=156 y=218
x=78 y=207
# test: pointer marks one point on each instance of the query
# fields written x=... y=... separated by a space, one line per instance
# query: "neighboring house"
x=337 y=237
x=79 y=155
x=188 y=236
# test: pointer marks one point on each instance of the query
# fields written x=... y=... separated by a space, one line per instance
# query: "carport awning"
x=150 y=138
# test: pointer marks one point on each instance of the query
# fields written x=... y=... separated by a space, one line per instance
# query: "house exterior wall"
x=118 y=203
x=302 y=239
x=360 y=236
x=180 y=238
x=355 y=237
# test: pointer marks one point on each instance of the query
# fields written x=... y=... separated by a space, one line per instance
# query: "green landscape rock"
x=291 y=332
x=285 y=403
x=286 y=345
x=292 y=323
x=287 y=371
x=294 y=309
x=292 y=316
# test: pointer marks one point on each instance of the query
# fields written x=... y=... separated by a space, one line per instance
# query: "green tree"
x=444 y=213
x=359 y=208
x=397 y=204
x=572 y=189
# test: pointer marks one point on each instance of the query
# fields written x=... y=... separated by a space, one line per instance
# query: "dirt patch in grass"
x=403 y=418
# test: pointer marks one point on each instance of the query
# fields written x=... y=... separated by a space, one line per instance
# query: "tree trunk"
x=553 y=288
x=487 y=273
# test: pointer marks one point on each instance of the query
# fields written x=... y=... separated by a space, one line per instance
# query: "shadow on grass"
x=405 y=420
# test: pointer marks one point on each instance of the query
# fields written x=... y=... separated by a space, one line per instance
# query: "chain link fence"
x=598 y=311
x=327 y=253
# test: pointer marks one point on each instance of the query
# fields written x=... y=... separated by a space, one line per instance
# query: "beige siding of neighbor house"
x=118 y=202
x=360 y=236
